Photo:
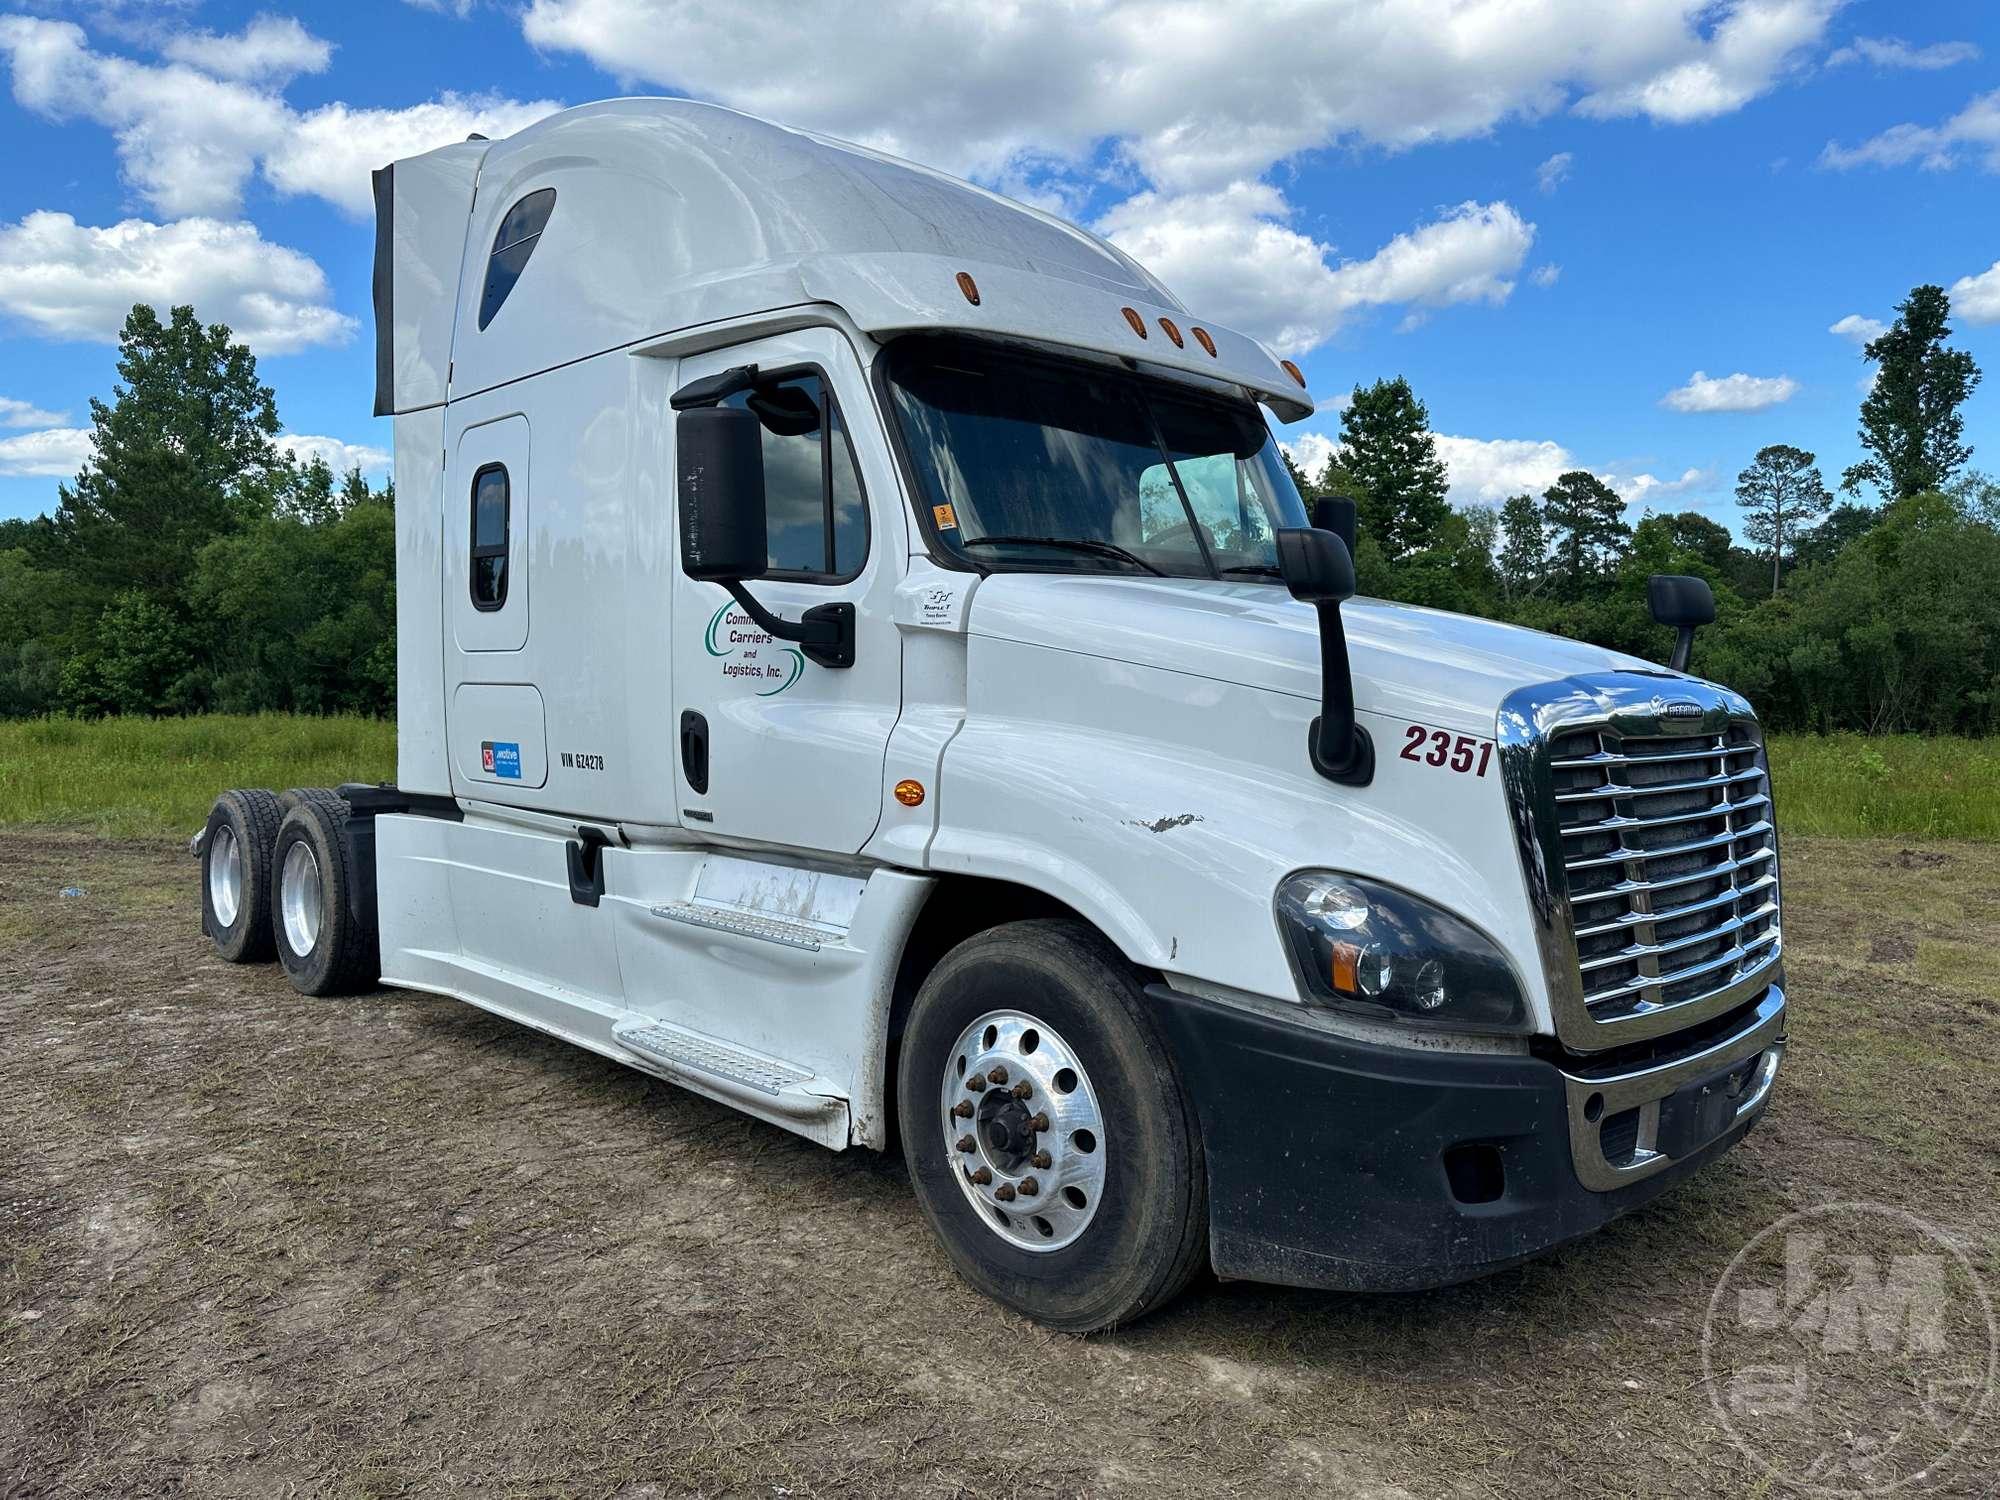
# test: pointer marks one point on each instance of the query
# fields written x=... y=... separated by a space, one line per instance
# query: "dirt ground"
x=257 y=1245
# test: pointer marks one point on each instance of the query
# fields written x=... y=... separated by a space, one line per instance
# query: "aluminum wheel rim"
x=225 y=875
x=1030 y=1160
x=301 y=898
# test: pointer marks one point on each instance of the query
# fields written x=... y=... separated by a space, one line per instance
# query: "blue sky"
x=1548 y=216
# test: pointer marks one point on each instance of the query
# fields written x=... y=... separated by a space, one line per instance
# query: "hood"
x=1426 y=666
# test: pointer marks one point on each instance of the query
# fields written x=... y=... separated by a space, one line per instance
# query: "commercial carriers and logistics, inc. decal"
x=734 y=639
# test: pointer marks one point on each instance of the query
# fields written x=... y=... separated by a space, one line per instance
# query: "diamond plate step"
x=705 y=1055
x=747 y=924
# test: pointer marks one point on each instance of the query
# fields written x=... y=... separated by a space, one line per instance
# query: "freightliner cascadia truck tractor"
x=860 y=657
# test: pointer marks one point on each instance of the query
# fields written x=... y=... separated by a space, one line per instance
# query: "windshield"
x=1026 y=462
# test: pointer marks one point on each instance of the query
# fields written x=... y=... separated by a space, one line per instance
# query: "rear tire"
x=236 y=867
x=327 y=943
x=1115 y=1223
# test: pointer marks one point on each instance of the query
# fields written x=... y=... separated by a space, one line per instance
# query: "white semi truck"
x=860 y=657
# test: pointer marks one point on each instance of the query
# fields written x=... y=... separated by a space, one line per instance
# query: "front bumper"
x=1338 y=1163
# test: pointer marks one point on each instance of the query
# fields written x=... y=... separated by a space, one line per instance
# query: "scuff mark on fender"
x=1161 y=825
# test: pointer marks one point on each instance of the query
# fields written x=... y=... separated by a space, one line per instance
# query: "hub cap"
x=300 y=897
x=225 y=875
x=1022 y=1131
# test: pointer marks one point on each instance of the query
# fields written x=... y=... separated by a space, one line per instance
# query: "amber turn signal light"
x=1201 y=337
x=910 y=793
x=1292 y=370
x=968 y=286
x=1167 y=325
x=1138 y=323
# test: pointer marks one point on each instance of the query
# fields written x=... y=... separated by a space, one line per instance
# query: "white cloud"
x=70 y=280
x=1738 y=392
x=1554 y=172
x=273 y=47
x=1546 y=274
x=1165 y=80
x=340 y=456
x=1977 y=298
x=331 y=151
x=21 y=414
x=1861 y=330
x=190 y=132
x=1640 y=489
x=53 y=453
x=1894 y=52
x=1310 y=451
x=1233 y=256
x=1974 y=130
x=1485 y=471
x=1751 y=46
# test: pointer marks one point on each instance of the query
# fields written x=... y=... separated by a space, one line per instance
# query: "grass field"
x=138 y=777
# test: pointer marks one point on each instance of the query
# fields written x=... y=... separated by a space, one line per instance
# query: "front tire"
x=236 y=854
x=1071 y=1187
x=326 y=942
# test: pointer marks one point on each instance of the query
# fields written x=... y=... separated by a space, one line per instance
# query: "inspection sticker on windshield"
x=945 y=516
x=1440 y=747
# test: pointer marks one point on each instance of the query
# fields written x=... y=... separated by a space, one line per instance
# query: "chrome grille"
x=1670 y=860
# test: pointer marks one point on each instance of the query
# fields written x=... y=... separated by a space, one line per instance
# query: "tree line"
x=193 y=565
x=1879 y=612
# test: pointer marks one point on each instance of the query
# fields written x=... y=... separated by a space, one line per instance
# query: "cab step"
x=750 y=924
x=678 y=1050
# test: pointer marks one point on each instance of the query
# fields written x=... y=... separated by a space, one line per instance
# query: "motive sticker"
x=500 y=758
x=747 y=655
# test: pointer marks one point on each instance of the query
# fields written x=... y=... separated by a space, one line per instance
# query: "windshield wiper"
x=1263 y=570
x=1068 y=544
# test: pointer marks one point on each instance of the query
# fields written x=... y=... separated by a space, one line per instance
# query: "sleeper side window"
x=491 y=503
x=817 y=515
x=520 y=229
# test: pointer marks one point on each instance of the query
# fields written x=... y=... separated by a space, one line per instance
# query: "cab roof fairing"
x=671 y=214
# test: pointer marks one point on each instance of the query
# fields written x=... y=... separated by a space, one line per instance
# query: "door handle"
x=694 y=750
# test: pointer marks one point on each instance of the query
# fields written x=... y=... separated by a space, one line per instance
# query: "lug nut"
x=963 y=1109
x=1043 y=1160
x=1004 y=1193
x=1029 y=1187
x=976 y=1083
x=1023 y=1089
x=966 y=1143
x=981 y=1176
x=1040 y=1122
x=998 y=1075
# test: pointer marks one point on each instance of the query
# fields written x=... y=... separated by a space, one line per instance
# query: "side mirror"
x=1339 y=515
x=719 y=459
x=1683 y=603
x=721 y=462
x=1316 y=564
x=1318 y=569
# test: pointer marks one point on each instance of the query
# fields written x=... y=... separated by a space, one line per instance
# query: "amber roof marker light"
x=1293 y=371
x=1201 y=337
x=1167 y=326
x=968 y=286
x=1132 y=317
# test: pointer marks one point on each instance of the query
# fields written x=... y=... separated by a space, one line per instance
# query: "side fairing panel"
x=421 y=763
x=1165 y=809
x=421 y=205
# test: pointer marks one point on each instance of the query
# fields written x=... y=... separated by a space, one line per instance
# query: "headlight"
x=1370 y=948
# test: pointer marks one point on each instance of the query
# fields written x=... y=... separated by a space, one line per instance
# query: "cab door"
x=773 y=747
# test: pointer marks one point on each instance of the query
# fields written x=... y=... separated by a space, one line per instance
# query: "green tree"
x=1846 y=522
x=182 y=453
x=1388 y=463
x=1524 y=547
x=1781 y=494
x=1910 y=420
x=1585 y=521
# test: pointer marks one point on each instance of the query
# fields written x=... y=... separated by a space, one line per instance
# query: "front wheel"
x=1049 y=1139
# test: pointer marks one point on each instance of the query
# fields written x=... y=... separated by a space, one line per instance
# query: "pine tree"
x=1391 y=464
x=1910 y=420
x=1783 y=495
x=1585 y=518
x=183 y=453
x=1524 y=546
